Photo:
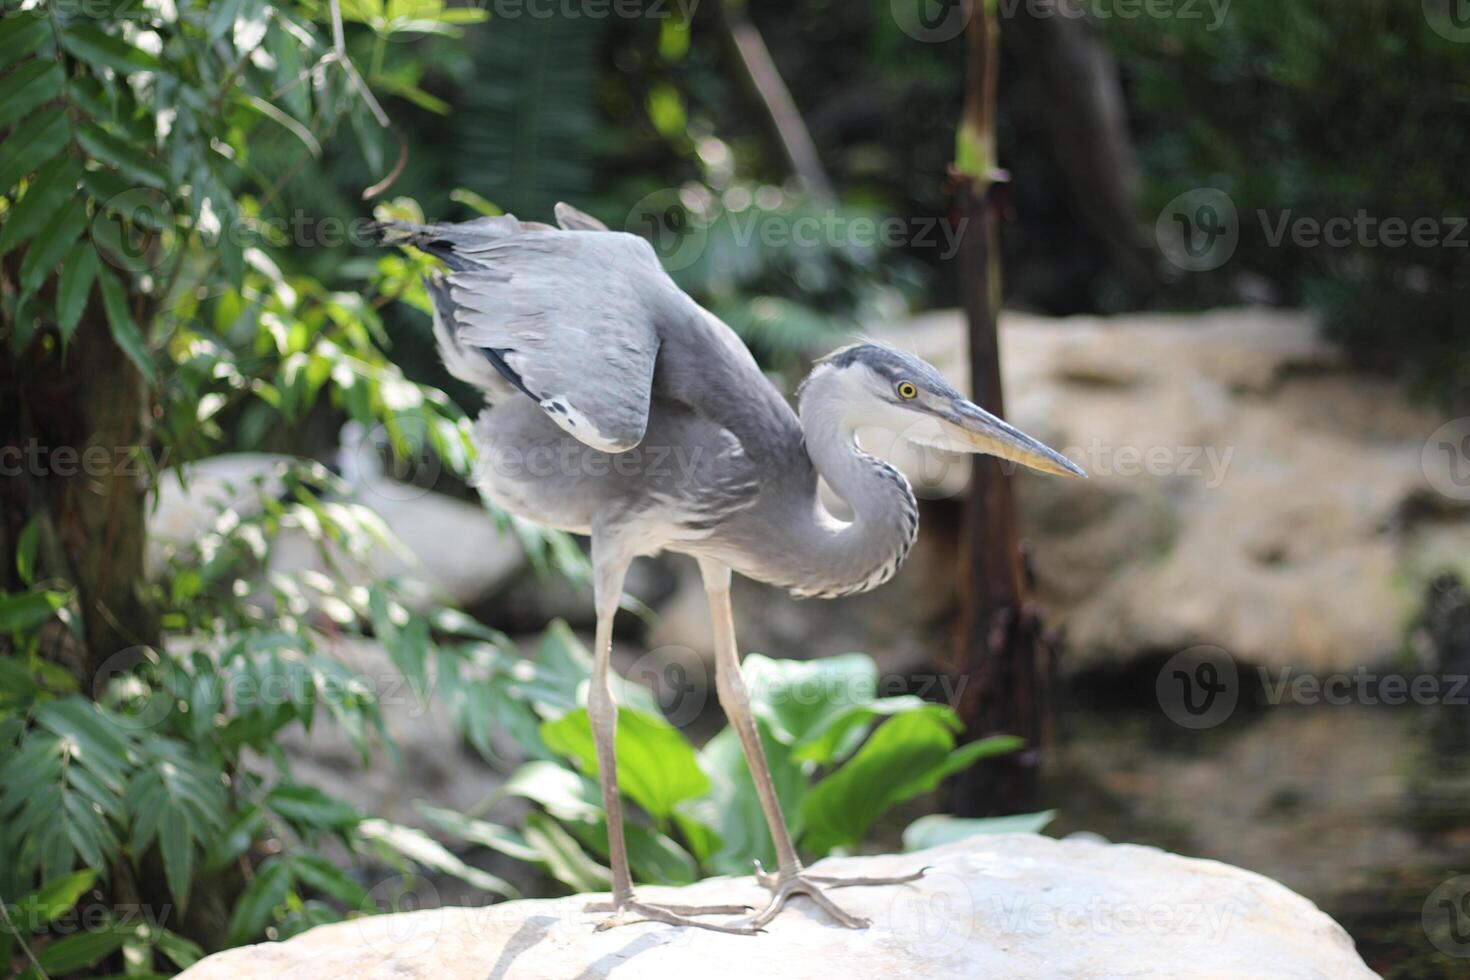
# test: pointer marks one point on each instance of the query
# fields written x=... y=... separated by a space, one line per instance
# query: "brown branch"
x=775 y=99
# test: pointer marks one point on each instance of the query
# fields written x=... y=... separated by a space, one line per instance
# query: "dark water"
x=1366 y=811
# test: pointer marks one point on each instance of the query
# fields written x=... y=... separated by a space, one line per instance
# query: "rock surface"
x=1016 y=906
x=1247 y=490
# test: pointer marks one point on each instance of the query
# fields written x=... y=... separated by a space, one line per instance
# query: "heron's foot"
x=631 y=911
x=783 y=886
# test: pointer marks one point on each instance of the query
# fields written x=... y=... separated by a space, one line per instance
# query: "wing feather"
x=571 y=314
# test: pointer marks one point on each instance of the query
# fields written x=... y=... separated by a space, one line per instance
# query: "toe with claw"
x=631 y=910
x=784 y=885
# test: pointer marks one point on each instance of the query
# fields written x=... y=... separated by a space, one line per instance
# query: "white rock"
x=1014 y=906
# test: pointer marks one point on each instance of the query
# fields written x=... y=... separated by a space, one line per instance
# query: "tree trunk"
x=77 y=428
x=1085 y=118
x=1001 y=659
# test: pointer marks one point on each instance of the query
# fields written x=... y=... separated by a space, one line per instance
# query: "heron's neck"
x=844 y=558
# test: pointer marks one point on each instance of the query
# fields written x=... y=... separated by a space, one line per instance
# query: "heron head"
x=895 y=391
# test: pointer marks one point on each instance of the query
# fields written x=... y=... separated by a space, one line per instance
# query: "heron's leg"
x=602 y=712
x=790 y=878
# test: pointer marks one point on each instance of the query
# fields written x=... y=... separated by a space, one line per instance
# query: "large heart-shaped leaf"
x=657 y=767
x=909 y=754
x=799 y=699
x=941 y=828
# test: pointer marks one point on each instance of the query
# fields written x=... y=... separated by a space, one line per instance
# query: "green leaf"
x=27 y=87
x=18 y=689
x=564 y=794
x=52 y=244
x=656 y=764
x=800 y=698
x=257 y=906
x=420 y=847
x=654 y=858
x=176 y=840
x=407 y=90
x=120 y=323
x=563 y=856
x=31 y=144
x=78 y=273
x=99 y=742
x=25 y=550
x=309 y=807
x=43 y=906
x=76 y=811
x=236 y=839
x=21 y=34
x=970 y=753
x=482 y=832
x=55 y=186
x=98 y=48
x=907 y=755
x=840 y=734
x=325 y=876
x=124 y=156
x=82 y=949
x=183 y=953
x=177 y=799
x=941 y=828
x=464 y=195
x=23 y=611
x=221 y=18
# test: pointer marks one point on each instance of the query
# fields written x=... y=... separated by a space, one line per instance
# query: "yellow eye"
x=906 y=390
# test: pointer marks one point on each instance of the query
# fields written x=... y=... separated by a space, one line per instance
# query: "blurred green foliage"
x=1321 y=110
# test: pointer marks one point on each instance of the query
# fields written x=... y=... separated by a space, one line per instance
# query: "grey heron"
x=599 y=372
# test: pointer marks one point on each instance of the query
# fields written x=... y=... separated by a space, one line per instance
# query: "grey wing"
x=566 y=317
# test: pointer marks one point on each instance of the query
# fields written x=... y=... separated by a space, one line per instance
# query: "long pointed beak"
x=976 y=430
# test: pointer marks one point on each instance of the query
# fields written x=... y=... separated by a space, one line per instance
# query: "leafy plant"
x=150 y=307
x=840 y=757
